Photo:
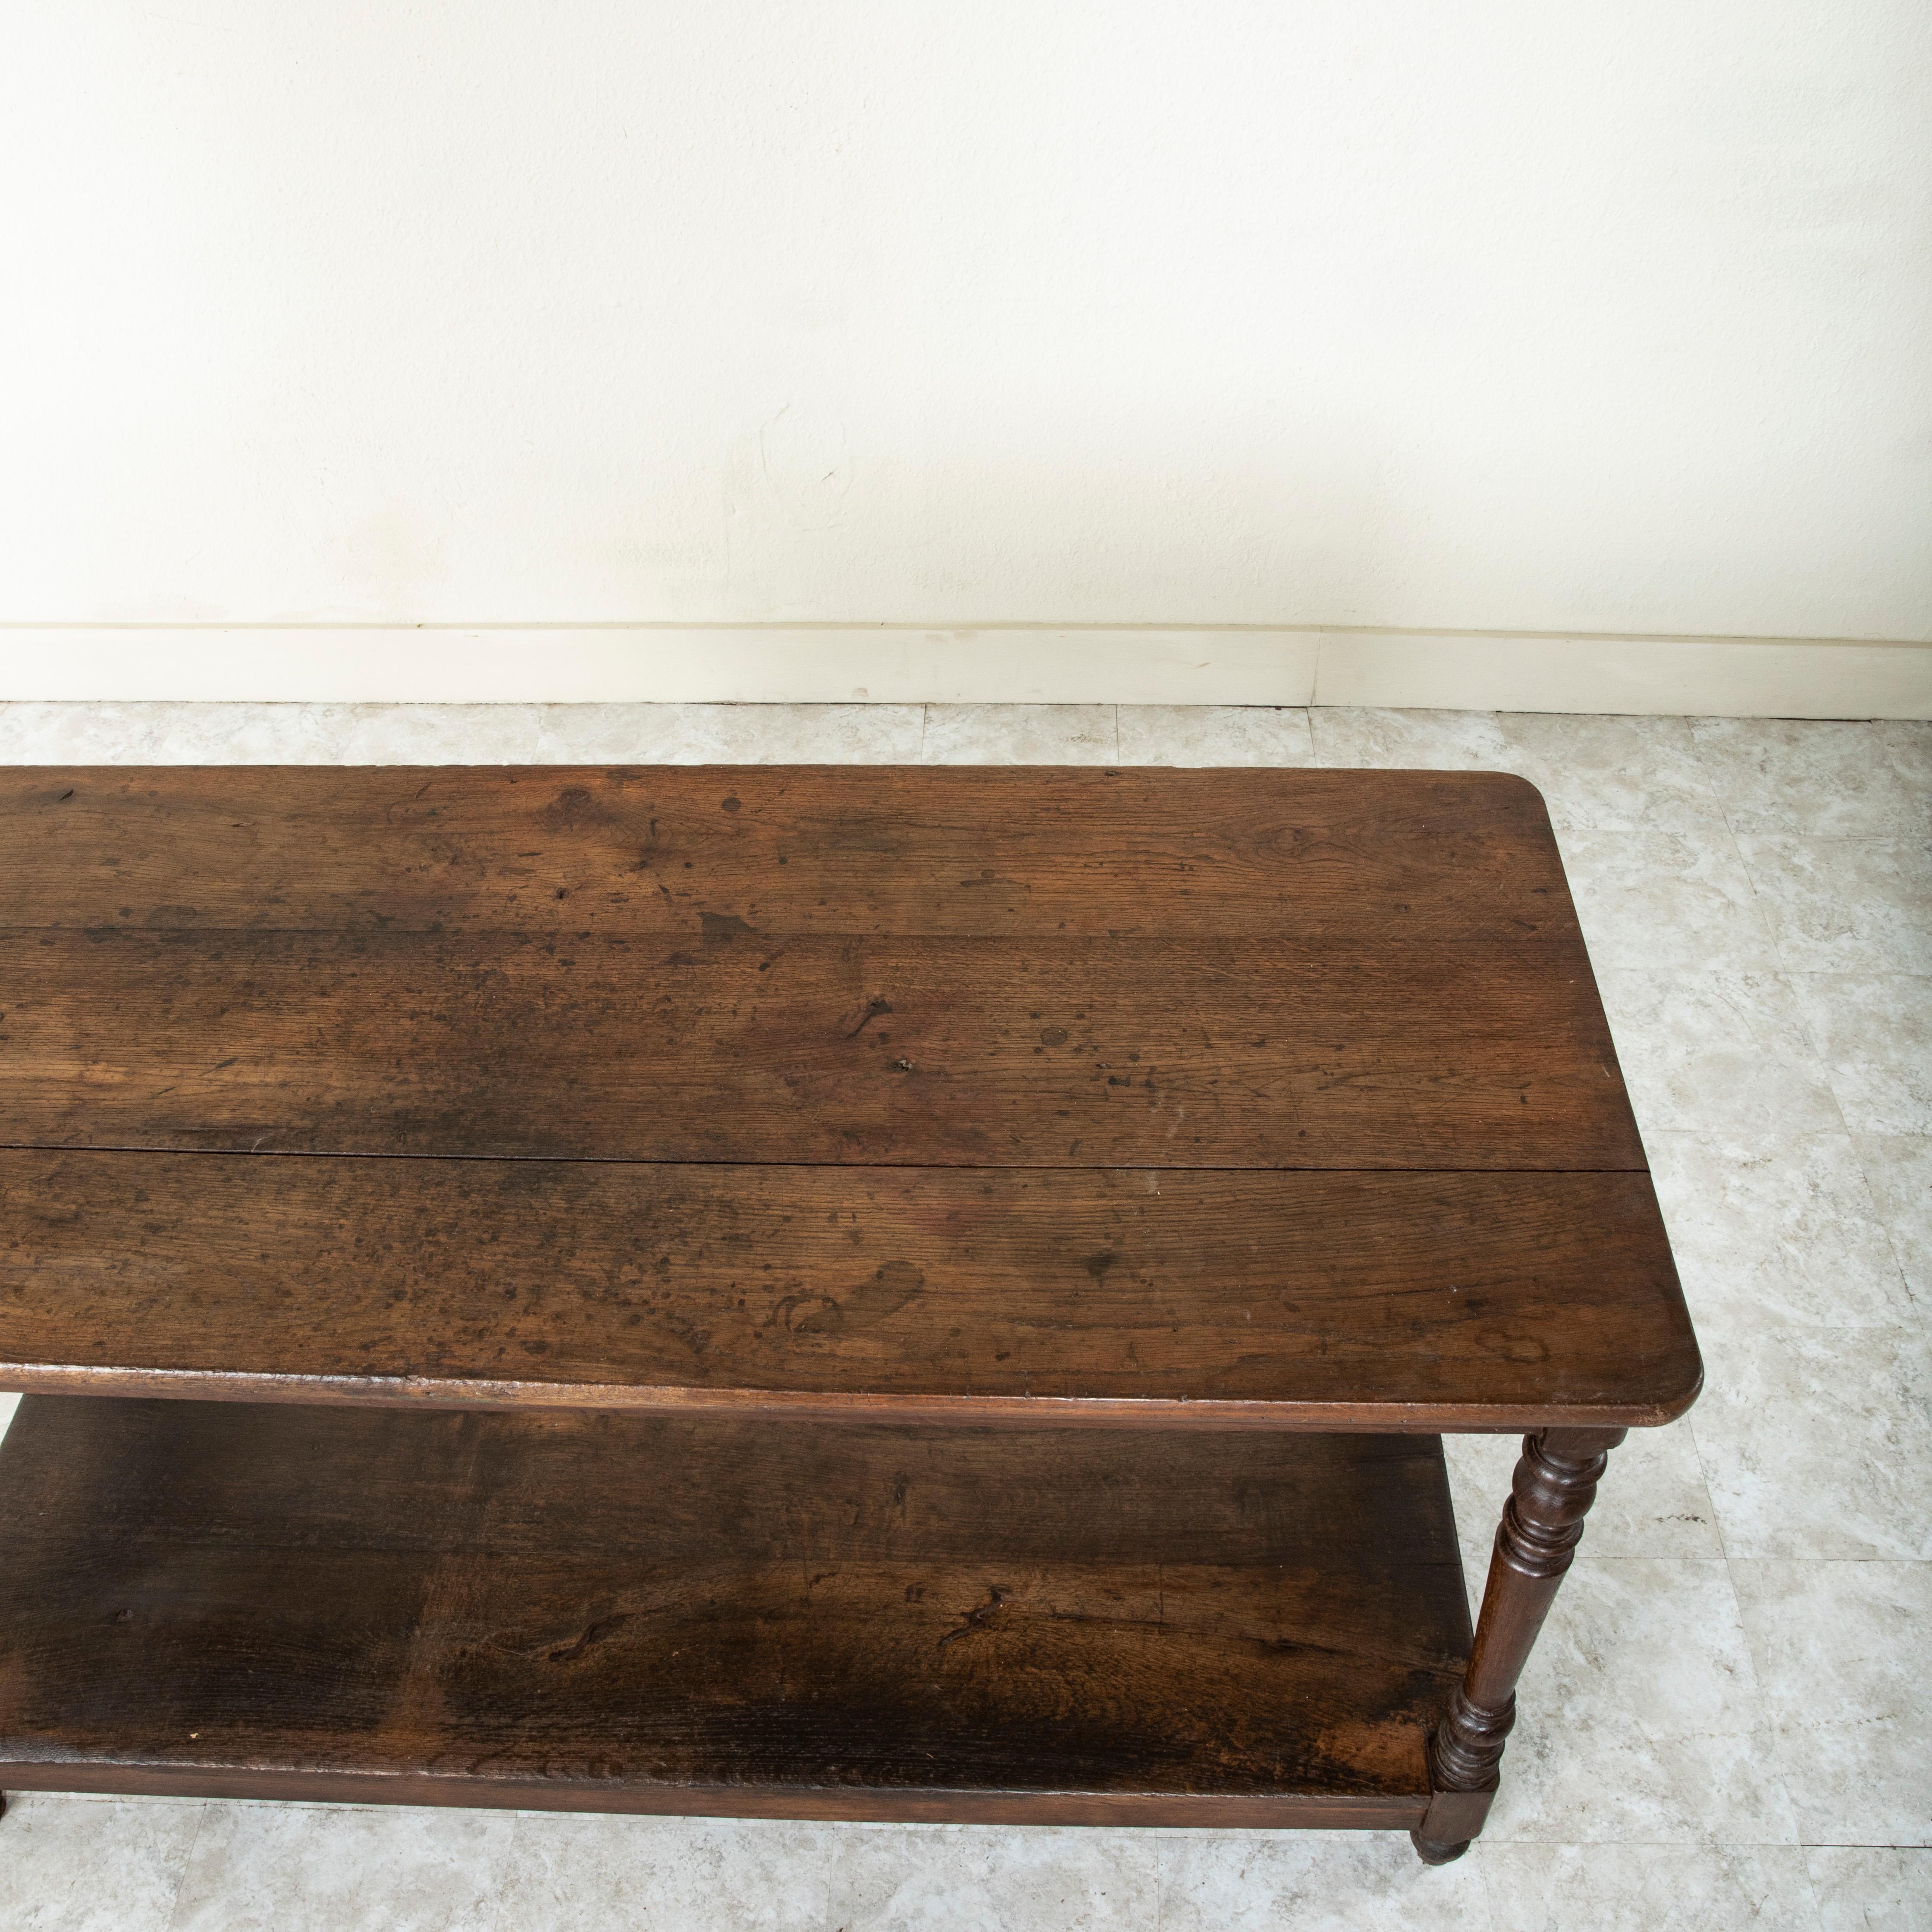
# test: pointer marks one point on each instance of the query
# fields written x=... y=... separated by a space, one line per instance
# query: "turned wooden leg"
x=1555 y=1482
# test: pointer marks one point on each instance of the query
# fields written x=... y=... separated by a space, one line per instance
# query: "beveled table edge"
x=1005 y=1411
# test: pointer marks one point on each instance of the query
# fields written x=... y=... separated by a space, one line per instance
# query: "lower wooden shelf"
x=702 y=1615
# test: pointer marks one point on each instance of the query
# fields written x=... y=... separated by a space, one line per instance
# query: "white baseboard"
x=1738 y=677
x=1009 y=664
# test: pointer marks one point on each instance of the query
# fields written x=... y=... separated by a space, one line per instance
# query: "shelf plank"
x=1299 y=1300
x=595 y=1612
x=1365 y=857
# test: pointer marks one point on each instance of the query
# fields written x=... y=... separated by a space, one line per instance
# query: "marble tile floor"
x=1729 y=1721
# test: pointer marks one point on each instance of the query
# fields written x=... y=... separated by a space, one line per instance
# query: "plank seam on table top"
x=824 y=1166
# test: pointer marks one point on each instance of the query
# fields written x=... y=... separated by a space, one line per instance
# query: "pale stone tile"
x=1214 y=734
x=8 y=1404
x=1314 y=1881
x=1874 y=1033
x=1644 y=1888
x=730 y=734
x=1666 y=902
x=1817 y=1442
x=1898 y=1169
x=1717 y=1053
x=174 y=734
x=1480 y=1467
x=295 y=1868
x=1604 y=774
x=1840 y=1652
x=1776 y=1230
x=1651 y=1502
x=1021 y=734
x=1613 y=774
x=1353 y=737
x=1908 y=744
x=1870 y=1889
x=71 y=1864
x=442 y=734
x=1640 y=1717
x=1814 y=778
x=1845 y=905
x=994 y=1879
x=579 y=1874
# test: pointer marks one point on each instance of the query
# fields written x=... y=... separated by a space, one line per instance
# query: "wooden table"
x=838 y=1293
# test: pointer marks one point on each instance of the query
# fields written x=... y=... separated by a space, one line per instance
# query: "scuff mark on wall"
x=807 y=465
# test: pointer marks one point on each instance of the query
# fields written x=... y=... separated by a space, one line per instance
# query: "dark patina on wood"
x=879 y=1117
x=706 y=1614
x=1158 y=1298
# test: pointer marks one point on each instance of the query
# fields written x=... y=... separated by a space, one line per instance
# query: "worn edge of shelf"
x=936 y=1804
x=1001 y=1410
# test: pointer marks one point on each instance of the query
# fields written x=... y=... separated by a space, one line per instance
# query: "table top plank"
x=1363 y=857
x=1305 y=1298
x=1274 y=1096
x=1047 y=1050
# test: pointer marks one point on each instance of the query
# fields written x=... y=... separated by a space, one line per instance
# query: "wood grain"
x=1361 y=856
x=599 y=1612
x=1172 y=1052
x=1420 y=1300
x=1162 y=1107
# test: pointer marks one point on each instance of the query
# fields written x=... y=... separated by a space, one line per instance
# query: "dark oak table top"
x=1280 y=1098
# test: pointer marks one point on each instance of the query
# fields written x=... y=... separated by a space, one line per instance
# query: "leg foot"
x=1431 y=1853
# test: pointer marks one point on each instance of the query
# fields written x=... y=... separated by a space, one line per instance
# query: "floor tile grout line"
x=1769 y=1725
x=1759 y=1664
x=174 y=1902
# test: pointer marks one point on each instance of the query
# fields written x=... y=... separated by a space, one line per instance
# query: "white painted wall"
x=1521 y=316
